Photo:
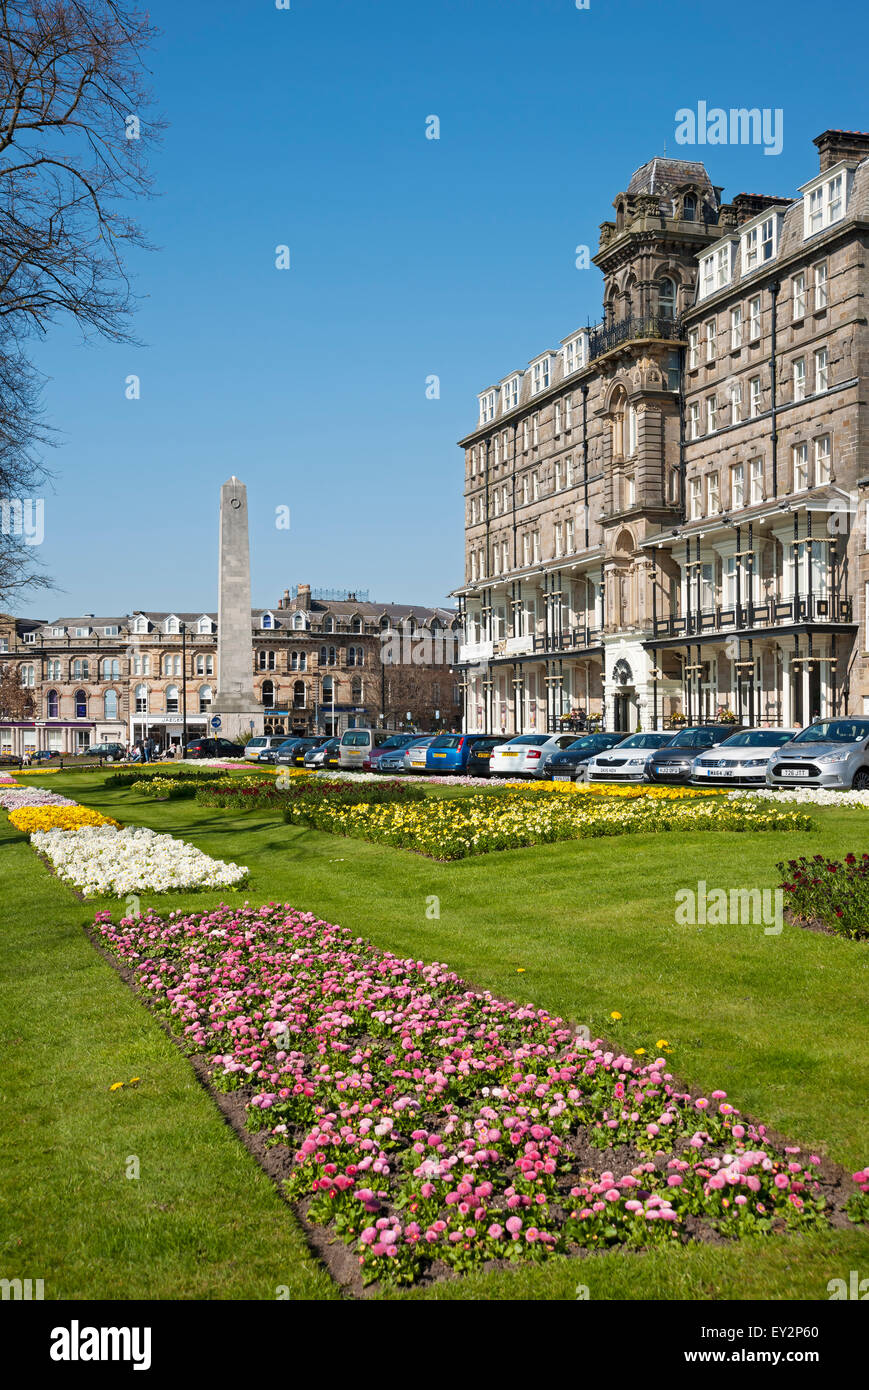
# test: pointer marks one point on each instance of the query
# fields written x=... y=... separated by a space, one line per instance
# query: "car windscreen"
x=835 y=731
x=645 y=741
x=757 y=738
x=591 y=742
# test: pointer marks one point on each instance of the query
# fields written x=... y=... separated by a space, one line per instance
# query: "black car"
x=212 y=748
x=285 y=753
x=324 y=755
x=480 y=754
x=672 y=763
x=564 y=766
x=306 y=745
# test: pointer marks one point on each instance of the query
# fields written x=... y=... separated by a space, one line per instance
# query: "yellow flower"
x=639 y=1052
x=662 y=1042
x=134 y=1079
x=520 y=969
x=615 y=1015
x=116 y=1085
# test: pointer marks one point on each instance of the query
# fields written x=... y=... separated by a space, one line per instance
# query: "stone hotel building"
x=666 y=513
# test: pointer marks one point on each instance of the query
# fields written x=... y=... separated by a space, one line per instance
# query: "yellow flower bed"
x=628 y=791
x=31 y=818
x=451 y=829
x=37 y=771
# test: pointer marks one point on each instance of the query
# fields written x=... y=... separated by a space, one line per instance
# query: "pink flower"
x=495 y=1231
x=514 y=1224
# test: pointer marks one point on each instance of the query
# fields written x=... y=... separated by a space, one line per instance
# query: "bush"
x=830 y=891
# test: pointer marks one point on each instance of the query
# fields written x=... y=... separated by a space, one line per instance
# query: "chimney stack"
x=303 y=593
x=836 y=145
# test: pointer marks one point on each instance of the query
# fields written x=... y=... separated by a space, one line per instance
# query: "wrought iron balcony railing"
x=772 y=612
x=606 y=336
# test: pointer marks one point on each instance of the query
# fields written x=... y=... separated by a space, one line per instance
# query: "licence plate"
x=510 y=755
x=561 y=777
x=669 y=771
x=793 y=772
x=439 y=755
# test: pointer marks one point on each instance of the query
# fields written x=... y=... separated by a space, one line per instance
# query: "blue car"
x=450 y=752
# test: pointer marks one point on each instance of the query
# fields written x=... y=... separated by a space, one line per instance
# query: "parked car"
x=480 y=755
x=285 y=753
x=673 y=762
x=111 y=752
x=324 y=755
x=212 y=748
x=741 y=758
x=308 y=744
x=569 y=764
x=449 y=753
x=829 y=753
x=627 y=761
x=263 y=743
x=395 y=743
x=356 y=744
x=524 y=754
x=415 y=753
x=393 y=760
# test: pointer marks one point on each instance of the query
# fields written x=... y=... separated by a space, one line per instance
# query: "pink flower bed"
x=436 y=1127
x=14 y=799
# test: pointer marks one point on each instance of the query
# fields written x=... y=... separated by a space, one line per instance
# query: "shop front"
x=167 y=730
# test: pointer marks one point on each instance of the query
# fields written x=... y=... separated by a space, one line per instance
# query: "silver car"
x=830 y=753
x=414 y=754
x=741 y=758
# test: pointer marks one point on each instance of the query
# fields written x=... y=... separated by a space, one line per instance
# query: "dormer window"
x=575 y=353
x=759 y=242
x=171 y=625
x=716 y=269
x=510 y=394
x=825 y=199
x=298 y=622
x=487 y=407
x=689 y=208
x=111 y=631
x=140 y=625
x=329 y=623
x=267 y=622
x=204 y=625
x=540 y=375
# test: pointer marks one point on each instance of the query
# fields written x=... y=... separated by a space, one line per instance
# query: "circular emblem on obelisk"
x=235 y=502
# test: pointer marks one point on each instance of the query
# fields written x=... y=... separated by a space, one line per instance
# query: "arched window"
x=205 y=625
x=110 y=704
x=52 y=705
x=299 y=695
x=267 y=620
x=205 y=698
x=384 y=624
x=171 y=699
x=356 y=625
x=172 y=625
x=81 y=670
x=172 y=665
x=141 y=699
x=111 y=670
x=298 y=622
x=81 y=705
x=204 y=665
x=617 y=411
x=689 y=207
x=28 y=675
x=667 y=298
x=268 y=694
x=632 y=431
x=328 y=623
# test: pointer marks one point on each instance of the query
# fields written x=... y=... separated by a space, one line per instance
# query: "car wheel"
x=861 y=780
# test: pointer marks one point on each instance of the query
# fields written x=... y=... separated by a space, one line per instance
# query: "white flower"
x=104 y=859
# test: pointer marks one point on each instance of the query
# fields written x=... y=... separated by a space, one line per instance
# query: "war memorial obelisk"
x=234 y=702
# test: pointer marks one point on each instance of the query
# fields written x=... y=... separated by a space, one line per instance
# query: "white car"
x=414 y=753
x=626 y=762
x=526 y=753
x=265 y=743
x=741 y=758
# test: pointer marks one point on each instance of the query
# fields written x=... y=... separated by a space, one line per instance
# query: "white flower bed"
x=814 y=796
x=449 y=779
x=103 y=859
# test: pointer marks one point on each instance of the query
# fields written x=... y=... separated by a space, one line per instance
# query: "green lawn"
x=776 y=1021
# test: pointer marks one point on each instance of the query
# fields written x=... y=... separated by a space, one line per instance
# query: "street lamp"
x=183 y=689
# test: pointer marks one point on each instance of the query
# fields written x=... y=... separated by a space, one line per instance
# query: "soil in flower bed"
x=829 y=895
x=434 y=1129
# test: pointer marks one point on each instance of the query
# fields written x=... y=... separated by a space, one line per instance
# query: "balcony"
x=571 y=640
x=772 y=612
x=607 y=336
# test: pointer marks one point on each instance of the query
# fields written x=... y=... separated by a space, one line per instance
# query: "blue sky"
x=409 y=257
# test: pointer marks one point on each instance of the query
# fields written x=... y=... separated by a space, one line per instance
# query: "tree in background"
x=75 y=136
